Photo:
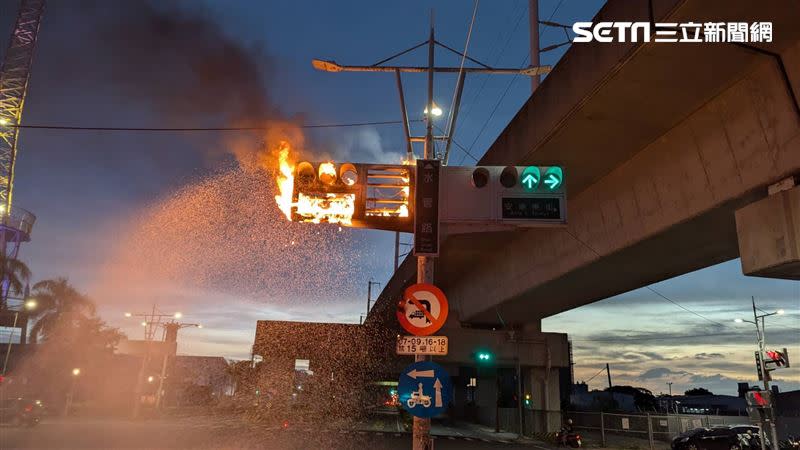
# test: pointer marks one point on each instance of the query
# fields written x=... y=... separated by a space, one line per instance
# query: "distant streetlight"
x=71 y=394
x=29 y=304
x=738 y=320
x=144 y=324
x=178 y=315
x=4 y=121
x=150 y=379
x=127 y=314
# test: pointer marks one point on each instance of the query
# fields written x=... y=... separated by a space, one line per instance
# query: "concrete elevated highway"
x=661 y=144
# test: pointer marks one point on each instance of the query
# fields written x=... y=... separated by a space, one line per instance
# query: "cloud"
x=708 y=355
x=659 y=372
x=365 y=145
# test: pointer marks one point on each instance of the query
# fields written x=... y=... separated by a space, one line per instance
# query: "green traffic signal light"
x=531 y=177
x=484 y=356
x=553 y=178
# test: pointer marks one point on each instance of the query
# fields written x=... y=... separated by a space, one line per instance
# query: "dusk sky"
x=181 y=220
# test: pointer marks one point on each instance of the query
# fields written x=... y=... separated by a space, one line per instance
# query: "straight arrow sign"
x=438 y=387
x=420 y=373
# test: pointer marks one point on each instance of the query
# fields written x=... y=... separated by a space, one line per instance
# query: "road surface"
x=211 y=433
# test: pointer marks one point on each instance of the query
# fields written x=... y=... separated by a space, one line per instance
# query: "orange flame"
x=314 y=208
x=285 y=180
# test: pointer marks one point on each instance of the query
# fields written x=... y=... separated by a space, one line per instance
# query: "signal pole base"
x=422 y=434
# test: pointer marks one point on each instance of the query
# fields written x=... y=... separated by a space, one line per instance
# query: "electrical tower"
x=15 y=73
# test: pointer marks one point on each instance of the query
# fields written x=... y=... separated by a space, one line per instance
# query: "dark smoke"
x=180 y=62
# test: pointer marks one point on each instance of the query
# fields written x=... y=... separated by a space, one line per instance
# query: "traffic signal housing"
x=375 y=196
x=759 y=399
x=760 y=368
x=780 y=359
x=503 y=196
x=484 y=357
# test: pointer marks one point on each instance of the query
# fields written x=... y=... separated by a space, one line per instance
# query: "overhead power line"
x=648 y=287
x=593 y=376
x=676 y=337
x=510 y=83
x=195 y=129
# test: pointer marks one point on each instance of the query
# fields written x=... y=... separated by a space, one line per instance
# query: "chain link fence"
x=642 y=430
x=645 y=431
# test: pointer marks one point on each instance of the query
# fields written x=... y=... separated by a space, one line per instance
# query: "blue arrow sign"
x=424 y=389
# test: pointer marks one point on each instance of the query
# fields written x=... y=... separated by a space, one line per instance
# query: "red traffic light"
x=759 y=399
x=780 y=359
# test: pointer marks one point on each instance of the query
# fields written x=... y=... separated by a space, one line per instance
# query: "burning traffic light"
x=358 y=195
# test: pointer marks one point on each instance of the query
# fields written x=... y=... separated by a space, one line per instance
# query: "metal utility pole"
x=425 y=264
x=422 y=427
x=610 y=392
x=369 y=296
x=761 y=349
x=171 y=329
x=151 y=321
x=533 y=14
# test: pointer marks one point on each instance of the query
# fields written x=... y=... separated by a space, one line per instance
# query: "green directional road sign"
x=531 y=177
x=553 y=178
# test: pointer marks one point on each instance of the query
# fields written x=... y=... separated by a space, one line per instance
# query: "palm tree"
x=57 y=300
x=16 y=275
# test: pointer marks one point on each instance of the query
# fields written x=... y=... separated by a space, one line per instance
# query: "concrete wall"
x=722 y=155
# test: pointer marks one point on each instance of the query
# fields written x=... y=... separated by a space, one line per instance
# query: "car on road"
x=20 y=411
x=731 y=437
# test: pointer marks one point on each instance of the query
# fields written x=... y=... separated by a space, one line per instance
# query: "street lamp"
x=68 y=404
x=761 y=348
x=435 y=111
x=29 y=304
x=178 y=315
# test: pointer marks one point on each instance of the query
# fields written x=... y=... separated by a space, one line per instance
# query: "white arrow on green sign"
x=553 y=177
x=531 y=177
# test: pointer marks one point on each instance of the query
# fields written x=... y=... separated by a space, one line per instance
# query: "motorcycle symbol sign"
x=424 y=389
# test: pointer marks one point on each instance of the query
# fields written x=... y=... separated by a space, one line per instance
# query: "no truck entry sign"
x=423 y=309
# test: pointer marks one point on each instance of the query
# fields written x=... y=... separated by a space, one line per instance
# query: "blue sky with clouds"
x=137 y=219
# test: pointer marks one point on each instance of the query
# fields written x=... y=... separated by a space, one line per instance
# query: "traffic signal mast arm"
x=470 y=199
x=332 y=66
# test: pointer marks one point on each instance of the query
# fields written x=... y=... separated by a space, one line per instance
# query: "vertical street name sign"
x=426 y=208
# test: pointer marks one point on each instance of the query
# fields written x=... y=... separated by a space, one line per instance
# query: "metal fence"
x=608 y=429
x=649 y=430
